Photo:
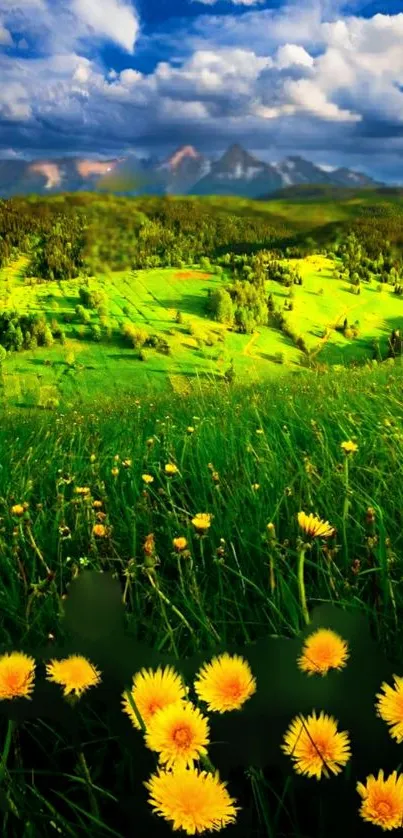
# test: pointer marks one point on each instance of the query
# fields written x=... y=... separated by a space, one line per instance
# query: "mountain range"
x=186 y=171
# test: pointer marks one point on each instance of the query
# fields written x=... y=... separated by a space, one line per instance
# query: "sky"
x=102 y=78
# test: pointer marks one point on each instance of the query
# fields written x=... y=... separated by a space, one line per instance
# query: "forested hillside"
x=72 y=234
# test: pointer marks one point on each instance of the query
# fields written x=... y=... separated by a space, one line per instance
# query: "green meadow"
x=199 y=347
x=205 y=494
x=85 y=497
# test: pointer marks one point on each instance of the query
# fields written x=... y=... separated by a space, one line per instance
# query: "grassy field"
x=247 y=460
x=81 y=369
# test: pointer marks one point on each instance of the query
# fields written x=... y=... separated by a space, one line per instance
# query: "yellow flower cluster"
x=75 y=674
x=317 y=748
x=188 y=798
x=158 y=703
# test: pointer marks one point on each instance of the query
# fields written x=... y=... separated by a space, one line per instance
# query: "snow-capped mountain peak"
x=185 y=171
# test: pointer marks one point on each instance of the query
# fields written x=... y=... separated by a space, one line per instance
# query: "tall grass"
x=246 y=458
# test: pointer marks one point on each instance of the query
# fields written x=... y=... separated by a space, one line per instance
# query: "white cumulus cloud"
x=110 y=19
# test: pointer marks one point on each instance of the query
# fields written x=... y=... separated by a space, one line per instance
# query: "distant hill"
x=185 y=172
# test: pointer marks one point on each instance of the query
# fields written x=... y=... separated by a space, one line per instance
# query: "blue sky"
x=101 y=78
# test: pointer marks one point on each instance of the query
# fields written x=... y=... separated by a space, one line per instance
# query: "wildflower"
x=100 y=530
x=349 y=447
x=150 y=441
x=315 y=745
x=149 y=545
x=180 y=543
x=97 y=504
x=171 y=469
x=225 y=683
x=259 y=431
x=309 y=467
x=271 y=530
x=92 y=458
x=190 y=429
x=147 y=478
x=202 y=522
x=126 y=463
x=356 y=566
x=255 y=487
x=323 y=650
x=382 y=800
x=82 y=490
x=314 y=527
x=75 y=674
x=17 y=672
x=370 y=515
x=191 y=800
x=116 y=458
x=151 y=691
x=18 y=509
x=179 y=733
x=114 y=471
x=215 y=476
x=64 y=531
x=390 y=707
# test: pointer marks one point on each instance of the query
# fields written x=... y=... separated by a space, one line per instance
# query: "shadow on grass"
x=186 y=303
x=42 y=362
x=265 y=356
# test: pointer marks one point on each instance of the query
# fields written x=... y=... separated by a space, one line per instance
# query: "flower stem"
x=301 y=583
x=128 y=694
x=87 y=775
x=345 y=508
x=6 y=748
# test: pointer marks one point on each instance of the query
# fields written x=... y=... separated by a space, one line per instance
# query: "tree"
x=221 y=307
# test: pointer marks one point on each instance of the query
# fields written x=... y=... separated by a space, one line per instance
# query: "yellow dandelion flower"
x=150 y=441
x=179 y=733
x=97 y=504
x=149 y=545
x=100 y=530
x=259 y=431
x=382 y=800
x=17 y=673
x=323 y=650
x=147 y=478
x=190 y=429
x=255 y=487
x=151 y=691
x=127 y=463
x=82 y=490
x=115 y=471
x=225 y=683
x=314 y=527
x=349 y=447
x=75 y=674
x=315 y=745
x=18 y=509
x=390 y=707
x=92 y=458
x=171 y=469
x=180 y=543
x=202 y=521
x=191 y=800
